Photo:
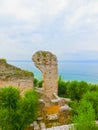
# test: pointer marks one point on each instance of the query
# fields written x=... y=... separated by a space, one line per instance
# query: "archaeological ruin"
x=14 y=76
x=53 y=109
x=46 y=62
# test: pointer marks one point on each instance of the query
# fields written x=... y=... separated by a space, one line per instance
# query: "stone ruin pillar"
x=46 y=62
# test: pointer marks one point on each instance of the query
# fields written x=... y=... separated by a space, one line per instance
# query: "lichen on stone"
x=46 y=62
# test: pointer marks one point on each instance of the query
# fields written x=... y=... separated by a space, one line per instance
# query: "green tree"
x=16 y=112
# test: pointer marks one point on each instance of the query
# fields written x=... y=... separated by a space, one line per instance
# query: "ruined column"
x=46 y=62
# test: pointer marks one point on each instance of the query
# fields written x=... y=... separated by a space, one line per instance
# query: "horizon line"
x=26 y=60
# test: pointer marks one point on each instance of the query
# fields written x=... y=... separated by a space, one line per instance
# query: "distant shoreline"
x=69 y=69
x=58 y=61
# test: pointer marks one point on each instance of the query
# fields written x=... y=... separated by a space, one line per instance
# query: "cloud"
x=85 y=13
x=56 y=7
x=64 y=27
x=32 y=10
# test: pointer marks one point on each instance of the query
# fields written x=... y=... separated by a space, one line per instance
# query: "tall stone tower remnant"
x=46 y=62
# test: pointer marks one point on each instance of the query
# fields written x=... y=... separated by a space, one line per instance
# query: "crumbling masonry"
x=53 y=109
x=46 y=62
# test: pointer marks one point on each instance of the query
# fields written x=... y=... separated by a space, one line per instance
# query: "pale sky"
x=67 y=28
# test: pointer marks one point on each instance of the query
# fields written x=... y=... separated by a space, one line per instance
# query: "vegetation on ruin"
x=44 y=53
x=37 y=83
x=8 y=70
x=17 y=112
x=84 y=102
x=3 y=60
x=82 y=94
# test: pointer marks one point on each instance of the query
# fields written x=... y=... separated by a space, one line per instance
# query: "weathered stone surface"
x=46 y=62
x=52 y=117
x=23 y=84
x=63 y=127
x=53 y=108
x=14 y=76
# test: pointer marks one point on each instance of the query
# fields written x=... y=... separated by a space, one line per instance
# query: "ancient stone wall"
x=22 y=84
x=14 y=76
x=46 y=62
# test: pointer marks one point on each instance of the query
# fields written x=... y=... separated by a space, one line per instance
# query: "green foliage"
x=40 y=84
x=92 y=97
x=62 y=87
x=27 y=111
x=7 y=119
x=78 y=91
x=16 y=112
x=93 y=87
x=9 y=97
x=35 y=81
x=75 y=89
x=85 y=118
x=74 y=105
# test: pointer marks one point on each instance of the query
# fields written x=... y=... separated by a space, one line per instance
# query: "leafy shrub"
x=62 y=87
x=16 y=112
x=9 y=97
x=74 y=105
x=40 y=84
x=93 y=87
x=92 y=97
x=27 y=109
x=85 y=118
x=35 y=81
x=75 y=89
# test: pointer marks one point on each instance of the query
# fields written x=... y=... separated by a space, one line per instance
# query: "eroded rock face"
x=46 y=62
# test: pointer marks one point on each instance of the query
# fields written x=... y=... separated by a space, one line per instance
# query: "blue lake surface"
x=68 y=70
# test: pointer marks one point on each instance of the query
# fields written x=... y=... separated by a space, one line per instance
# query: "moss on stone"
x=7 y=71
x=44 y=53
x=3 y=60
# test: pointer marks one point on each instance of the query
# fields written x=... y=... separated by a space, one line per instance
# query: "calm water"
x=69 y=70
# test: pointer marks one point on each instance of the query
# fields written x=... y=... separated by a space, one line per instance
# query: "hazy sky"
x=68 y=28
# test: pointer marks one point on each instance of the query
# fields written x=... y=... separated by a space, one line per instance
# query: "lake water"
x=69 y=70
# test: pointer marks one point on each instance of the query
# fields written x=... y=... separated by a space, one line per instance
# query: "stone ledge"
x=63 y=127
x=65 y=108
x=52 y=117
